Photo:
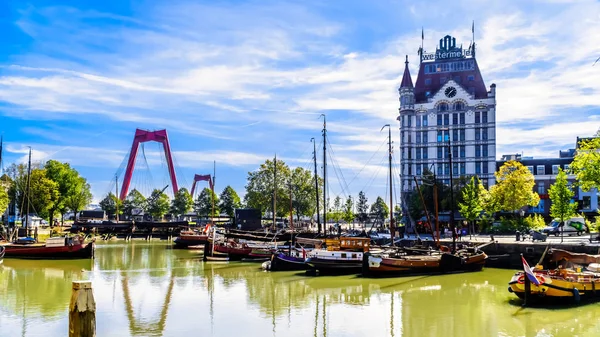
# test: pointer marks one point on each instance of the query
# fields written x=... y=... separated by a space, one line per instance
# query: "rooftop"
x=449 y=62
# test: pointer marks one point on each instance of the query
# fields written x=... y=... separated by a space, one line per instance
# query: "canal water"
x=149 y=289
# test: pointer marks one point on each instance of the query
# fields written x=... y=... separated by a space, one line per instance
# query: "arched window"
x=459 y=106
x=443 y=107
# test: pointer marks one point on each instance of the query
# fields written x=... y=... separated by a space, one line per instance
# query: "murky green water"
x=151 y=290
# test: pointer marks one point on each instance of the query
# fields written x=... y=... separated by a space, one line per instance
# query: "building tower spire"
x=406 y=79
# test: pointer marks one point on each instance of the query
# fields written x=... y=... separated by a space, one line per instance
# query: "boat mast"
x=1 y=141
x=291 y=219
x=275 y=193
x=212 y=192
x=324 y=172
x=28 y=185
x=452 y=225
x=392 y=229
x=316 y=185
x=116 y=198
x=435 y=198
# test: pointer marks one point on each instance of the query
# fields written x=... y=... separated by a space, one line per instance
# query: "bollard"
x=82 y=310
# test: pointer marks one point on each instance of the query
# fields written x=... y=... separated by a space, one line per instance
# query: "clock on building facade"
x=450 y=92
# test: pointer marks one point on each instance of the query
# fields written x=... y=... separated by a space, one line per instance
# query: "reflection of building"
x=449 y=102
x=545 y=171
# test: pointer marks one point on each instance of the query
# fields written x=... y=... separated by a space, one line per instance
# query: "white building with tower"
x=449 y=106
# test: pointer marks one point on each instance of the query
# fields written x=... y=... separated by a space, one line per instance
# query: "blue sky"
x=238 y=81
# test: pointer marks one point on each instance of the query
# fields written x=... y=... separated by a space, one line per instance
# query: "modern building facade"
x=545 y=171
x=447 y=107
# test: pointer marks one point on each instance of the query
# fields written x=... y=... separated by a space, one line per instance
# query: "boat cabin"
x=62 y=241
x=348 y=243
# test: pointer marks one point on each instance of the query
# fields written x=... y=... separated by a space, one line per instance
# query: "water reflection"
x=150 y=290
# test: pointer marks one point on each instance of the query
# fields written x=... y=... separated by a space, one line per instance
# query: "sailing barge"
x=576 y=278
x=54 y=248
x=341 y=256
x=402 y=262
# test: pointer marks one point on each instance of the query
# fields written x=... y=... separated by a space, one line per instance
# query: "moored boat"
x=236 y=251
x=341 y=256
x=399 y=262
x=561 y=286
x=54 y=248
x=190 y=239
x=574 y=280
x=283 y=261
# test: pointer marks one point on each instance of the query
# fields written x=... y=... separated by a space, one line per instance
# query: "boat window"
x=353 y=255
x=343 y=255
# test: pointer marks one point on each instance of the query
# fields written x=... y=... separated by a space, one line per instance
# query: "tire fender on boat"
x=374 y=261
x=576 y=295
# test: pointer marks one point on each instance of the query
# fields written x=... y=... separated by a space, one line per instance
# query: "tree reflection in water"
x=189 y=297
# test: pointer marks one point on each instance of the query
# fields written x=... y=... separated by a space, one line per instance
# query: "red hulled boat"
x=54 y=248
x=235 y=251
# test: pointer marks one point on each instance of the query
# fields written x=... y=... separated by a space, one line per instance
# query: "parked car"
x=574 y=225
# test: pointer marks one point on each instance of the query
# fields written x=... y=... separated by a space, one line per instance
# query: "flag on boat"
x=303 y=253
x=530 y=275
x=207 y=228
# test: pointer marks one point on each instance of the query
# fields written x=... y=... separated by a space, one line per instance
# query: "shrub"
x=535 y=222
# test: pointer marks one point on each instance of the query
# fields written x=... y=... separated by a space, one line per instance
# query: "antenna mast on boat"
x=324 y=172
x=392 y=229
x=316 y=185
x=28 y=185
x=275 y=192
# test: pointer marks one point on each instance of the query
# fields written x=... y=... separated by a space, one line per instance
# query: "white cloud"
x=253 y=78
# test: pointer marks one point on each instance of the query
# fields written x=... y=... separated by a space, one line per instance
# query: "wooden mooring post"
x=82 y=310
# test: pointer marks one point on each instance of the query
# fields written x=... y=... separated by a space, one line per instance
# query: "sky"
x=236 y=82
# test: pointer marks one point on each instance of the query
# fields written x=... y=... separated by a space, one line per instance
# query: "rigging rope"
x=375 y=174
x=344 y=187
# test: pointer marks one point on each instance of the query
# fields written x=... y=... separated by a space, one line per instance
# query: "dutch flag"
x=530 y=273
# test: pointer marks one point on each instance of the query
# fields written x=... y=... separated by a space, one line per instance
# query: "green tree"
x=4 y=200
x=348 y=214
x=18 y=176
x=397 y=211
x=66 y=177
x=110 y=203
x=134 y=200
x=586 y=164
x=204 y=203
x=362 y=207
x=182 y=202
x=260 y=187
x=335 y=213
x=561 y=194
x=380 y=209
x=471 y=205
x=229 y=201
x=79 y=196
x=43 y=193
x=304 y=195
x=158 y=204
x=514 y=187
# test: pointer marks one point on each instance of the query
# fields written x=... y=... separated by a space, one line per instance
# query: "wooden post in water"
x=82 y=310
